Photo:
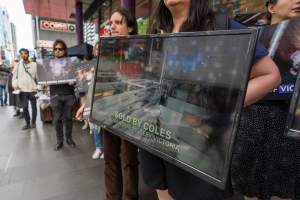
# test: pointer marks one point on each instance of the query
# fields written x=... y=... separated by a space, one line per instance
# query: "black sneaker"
x=26 y=127
x=17 y=114
x=71 y=142
x=58 y=146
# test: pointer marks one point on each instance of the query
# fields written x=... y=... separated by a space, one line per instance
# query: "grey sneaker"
x=33 y=125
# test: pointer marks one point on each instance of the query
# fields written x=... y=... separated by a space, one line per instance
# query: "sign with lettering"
x=283 y=42
x=44 y=43
x=178 y=96
x=57 y=26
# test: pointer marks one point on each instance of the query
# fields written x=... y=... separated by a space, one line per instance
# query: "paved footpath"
x=31 y=170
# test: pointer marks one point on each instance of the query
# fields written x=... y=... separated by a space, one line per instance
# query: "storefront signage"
x=44 y=43
x=57 y=26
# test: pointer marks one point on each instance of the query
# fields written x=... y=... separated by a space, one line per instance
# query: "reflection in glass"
x=179 y=97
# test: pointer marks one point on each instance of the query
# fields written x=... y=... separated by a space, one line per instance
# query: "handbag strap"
x=29 y=73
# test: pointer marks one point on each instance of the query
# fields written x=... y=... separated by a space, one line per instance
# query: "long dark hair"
x=201 y=18
x=269 y=15
x=129 y=19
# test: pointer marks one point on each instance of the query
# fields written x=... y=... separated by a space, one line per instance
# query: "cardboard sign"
x=283 y=42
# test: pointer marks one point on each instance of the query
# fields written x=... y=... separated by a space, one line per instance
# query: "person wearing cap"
x=25 y=81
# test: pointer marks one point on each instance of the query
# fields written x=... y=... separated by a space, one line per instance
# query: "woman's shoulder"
x=260 y=50
x=236 y=25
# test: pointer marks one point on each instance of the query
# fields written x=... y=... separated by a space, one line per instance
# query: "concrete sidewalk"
x=31 y=170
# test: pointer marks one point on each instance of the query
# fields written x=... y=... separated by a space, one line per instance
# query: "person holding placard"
x=169 y=181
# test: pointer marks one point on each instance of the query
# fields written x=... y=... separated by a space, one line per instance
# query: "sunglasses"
x=58 y=49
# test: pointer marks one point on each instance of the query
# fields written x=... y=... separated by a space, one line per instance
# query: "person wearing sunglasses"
x=62 y=101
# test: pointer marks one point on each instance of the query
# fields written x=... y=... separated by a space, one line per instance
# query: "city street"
x=210 y=89
x=30 y=169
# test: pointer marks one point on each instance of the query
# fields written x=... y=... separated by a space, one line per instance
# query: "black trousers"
x=27 y=97
x=62 y=106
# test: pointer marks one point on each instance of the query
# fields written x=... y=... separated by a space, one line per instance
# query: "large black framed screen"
x=178 y=96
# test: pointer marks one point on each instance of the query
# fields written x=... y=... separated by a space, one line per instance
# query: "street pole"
x=79 y=22
x=129 y=5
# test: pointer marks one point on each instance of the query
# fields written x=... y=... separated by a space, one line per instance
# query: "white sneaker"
x=102 y=156
x=97 y=153
x=85 y=126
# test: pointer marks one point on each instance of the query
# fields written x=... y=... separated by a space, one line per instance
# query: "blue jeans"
x=3 y=95
x=98 y=138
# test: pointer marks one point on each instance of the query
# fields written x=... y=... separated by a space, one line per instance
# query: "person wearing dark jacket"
x=168 y=180
x=62 y=101
x=4 y=75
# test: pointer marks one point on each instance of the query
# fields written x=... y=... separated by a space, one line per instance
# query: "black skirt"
x=265 y=162
x=182 y=185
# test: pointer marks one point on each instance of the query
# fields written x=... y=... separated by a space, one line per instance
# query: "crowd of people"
x=265 y=165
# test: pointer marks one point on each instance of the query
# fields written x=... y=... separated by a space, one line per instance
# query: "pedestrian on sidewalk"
x=15 y=94
x=25 y=81
x=85 y=108
x=62 y=101
x=4 y=75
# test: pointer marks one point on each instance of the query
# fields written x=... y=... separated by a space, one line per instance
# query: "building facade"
x=90 y=33
x=14 y=40
x=5 y=36
x=144 y=9
x=46 y=31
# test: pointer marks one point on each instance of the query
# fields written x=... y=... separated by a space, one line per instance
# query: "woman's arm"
x=79 y=113
x=264 y=77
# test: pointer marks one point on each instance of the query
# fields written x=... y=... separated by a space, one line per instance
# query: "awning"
x=81 y=50
x=54 y=9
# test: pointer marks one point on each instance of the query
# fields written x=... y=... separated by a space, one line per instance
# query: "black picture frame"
x=250 y=36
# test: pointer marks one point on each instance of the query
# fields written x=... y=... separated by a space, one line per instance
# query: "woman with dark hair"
x=120 y=153
x=279 y=10
x=84 y=109
x=186 y=16
x=266 y=164
x=62 y=101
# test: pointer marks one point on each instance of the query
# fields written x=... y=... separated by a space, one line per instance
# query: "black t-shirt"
x=61 y=89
